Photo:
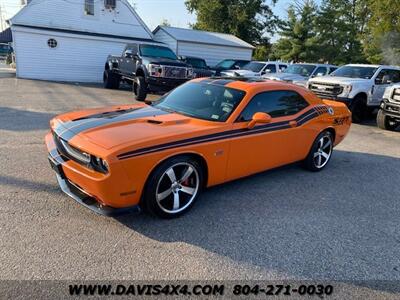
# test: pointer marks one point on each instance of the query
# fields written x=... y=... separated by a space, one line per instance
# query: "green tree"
x=249 y=20
x=298 y=36
x=382 y=37
x=340 y=26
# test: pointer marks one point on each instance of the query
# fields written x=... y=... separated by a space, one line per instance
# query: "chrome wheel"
x=177 y=188
x=324 y=151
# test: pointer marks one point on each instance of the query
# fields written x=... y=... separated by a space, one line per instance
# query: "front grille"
x=396 y=96
x=201 y=74
x=326 y=90
x=175 y=72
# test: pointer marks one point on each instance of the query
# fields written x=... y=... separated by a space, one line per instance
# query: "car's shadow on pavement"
x=333 y=225
x=23 y=120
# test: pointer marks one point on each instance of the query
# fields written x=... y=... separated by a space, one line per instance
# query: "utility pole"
x=1 y=20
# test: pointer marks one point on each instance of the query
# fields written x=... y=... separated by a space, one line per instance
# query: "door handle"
x=293 y=123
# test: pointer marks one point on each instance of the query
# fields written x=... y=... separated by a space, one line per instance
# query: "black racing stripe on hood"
x=69 y=129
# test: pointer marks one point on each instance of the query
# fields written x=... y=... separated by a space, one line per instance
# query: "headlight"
x=347 y=89
x=155 y=70
x=99 y=164
x=76 y=153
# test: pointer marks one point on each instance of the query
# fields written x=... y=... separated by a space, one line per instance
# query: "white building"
x=211 y=46
x=70 y=40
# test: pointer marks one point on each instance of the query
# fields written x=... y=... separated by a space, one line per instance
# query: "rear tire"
x=111 y=80
x=140 y=89
x=359 y=109
x=320 y=153
x=173 y=187
x=385 y=122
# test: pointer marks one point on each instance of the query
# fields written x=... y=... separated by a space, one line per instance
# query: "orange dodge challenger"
x=206 y=132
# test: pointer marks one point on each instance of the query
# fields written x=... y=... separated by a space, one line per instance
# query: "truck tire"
x=111 y=80
x=140 y=89
x=359 y=109
x=385 y=122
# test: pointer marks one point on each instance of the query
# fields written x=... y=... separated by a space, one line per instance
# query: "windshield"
x=303 y=70
x=226 y=64
x=157 y=51
x=202 y=101
x=355 y=72
x=197 y=63
x=254 y=66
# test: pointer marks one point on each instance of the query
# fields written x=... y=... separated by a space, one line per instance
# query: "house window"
x=89 y=7
x=110 y=4
x=52 y=43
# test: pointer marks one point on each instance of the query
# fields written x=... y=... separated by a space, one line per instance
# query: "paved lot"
x=340 y=224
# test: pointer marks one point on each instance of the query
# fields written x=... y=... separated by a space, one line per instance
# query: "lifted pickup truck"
x=361 y=87
x=389 y=113
x=149 y=67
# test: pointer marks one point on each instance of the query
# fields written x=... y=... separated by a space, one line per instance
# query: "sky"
x=152 y=11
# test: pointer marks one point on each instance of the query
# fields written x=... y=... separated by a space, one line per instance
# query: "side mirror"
x=319 y=74
x=236 y=67
x=259 y=118
x=136 y=57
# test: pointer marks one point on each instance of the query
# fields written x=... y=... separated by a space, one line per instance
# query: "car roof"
x=317 y=65
x=192 y=57
x=269 y=62
x=243 y=83
x=373 y=66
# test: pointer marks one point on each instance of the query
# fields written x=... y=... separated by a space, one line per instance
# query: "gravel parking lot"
x=341 y=224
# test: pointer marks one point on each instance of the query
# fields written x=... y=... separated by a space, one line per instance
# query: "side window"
x=270 y=69
x=394 y=76
x=321 y=71
x=332 y=69
x=384 y=77
x=276 y=104
x=89 y=7
x=282 y=68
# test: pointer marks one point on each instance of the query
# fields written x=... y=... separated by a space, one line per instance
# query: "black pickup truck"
x=149 y=67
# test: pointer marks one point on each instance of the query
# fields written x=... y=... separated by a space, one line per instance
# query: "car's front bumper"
x=92 y=200
x=391 y=109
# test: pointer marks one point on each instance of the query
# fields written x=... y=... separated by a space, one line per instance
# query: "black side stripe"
x=307 y=116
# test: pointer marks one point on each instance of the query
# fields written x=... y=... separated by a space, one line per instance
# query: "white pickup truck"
x=257 y=69
x=389 y=113
x=361 y=87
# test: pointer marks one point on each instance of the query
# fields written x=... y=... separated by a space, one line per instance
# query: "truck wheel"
x=359 y=109
x=111 y=80
x=385 y=122
x=140 y=89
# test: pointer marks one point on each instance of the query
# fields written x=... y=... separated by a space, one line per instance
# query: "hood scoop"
x=155 y=122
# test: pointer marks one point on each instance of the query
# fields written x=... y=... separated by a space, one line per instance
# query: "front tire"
x=385 y=122
x=111 y=80
x=173 y=187
x=140 y=89
x=359 y=109
x=320 y=153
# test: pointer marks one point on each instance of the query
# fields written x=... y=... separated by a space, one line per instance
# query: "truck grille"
x=326 y=90
x=175 y=72
x=396 y=96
